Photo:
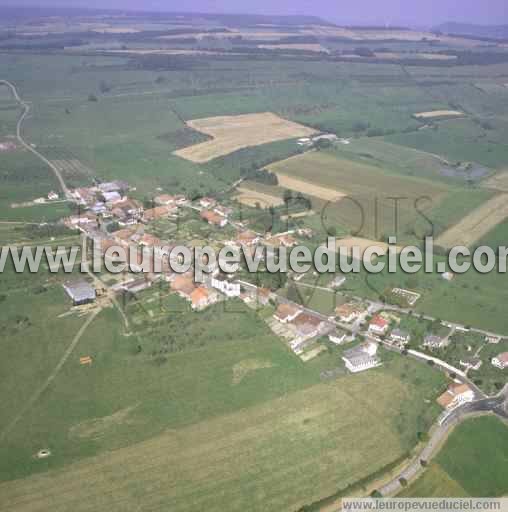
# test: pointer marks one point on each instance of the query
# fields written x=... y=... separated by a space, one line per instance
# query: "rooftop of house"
x=79 y=290
x=349 y=309
x=164 y=198
x=503 y=357
x=246 y=236
x=307 y=319
x=379 y=321
x=400 y=333
x=286 y=311
x=184 y=284
x=364 y=349
x=211 y=217
x=454 y=390
x=199 y=295
x=156 y=213
x=433 y=338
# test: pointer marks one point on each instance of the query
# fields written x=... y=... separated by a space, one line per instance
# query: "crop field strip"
x=476 y=224
x=252 y=198
x=366 y=192
x=279 y=440
x=231 y=133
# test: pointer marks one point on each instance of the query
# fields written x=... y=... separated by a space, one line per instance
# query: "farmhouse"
x=84 y=196
x=165 y=200
x=455 y=395
x=282 y=240
x=361 y=358
x=471 y=363
x=286 y=313
x=207 y=202
x=224 y=284
x=80 y=292
x=202 y=298
x=263 y=296
x=500 y=361
x=183 y=285
x=213 y=218
x=159 y=212
x=224 y=211
x=349 y=312
x=329 y=137
x=127 y=211
x=53 y=196
x=433 y=341
x=112 y=198
x=247 y=238
x=400 y=337
x=114 y=186
x=136 y=285
x=379 y=325
x=307 y=326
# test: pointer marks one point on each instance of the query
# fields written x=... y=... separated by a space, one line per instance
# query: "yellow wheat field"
x=231 y=133
x=477 y=224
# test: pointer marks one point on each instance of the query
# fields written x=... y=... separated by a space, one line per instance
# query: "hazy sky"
x=415 y=12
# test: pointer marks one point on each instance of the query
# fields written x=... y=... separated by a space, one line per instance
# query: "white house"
x=456 y=394
x=229 y=288
x=379 y=325
x=433 y=341
x=500 y=361
x=349 y=312
x=361 y=358
x=401 y=337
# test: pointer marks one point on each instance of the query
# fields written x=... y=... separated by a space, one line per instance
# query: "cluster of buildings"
x=109 y=203
x=300 y=327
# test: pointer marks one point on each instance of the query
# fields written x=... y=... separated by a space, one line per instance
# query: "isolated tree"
x=92 y=97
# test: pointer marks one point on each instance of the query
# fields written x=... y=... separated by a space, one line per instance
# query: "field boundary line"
x=37 y=394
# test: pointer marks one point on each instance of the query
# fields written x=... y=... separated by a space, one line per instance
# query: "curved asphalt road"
x=497 y=405
x=26 y=110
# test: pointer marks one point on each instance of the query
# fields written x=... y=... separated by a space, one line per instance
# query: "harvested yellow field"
x=310 y=47
x=498 y=182
x=231 y=133
x=309 y=189
x=424 y=56
x=153 y=51
x=439 y=113
x=117 y=30
x=477 y=224
x=254 y=198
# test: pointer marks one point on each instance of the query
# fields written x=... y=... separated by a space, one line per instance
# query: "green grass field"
x=379 y=200
x=273 y=441
x=473 y=462
x=191 y=411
